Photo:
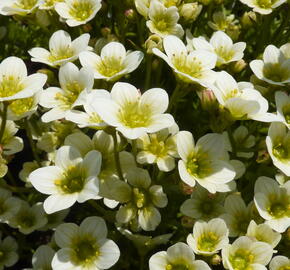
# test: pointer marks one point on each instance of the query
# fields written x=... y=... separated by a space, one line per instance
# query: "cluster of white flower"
x=192 y=153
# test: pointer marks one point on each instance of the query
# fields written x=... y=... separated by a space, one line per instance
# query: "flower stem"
x=31 y=142
x=107 y=215
x=173 y=98
x=148 y=72
x=3 y=120
x=117 y=157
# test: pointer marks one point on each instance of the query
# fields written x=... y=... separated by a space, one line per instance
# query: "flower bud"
x=105 y=31
x=187 y=222
x=42 y=18
x=215 y=259
x=130 y=14
x=238 y=66
x=190 y=11
x=208 y=100
x=248 y=19
x=154 y=41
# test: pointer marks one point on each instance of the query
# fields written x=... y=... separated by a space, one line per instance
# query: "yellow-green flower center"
x=25 y=4
x=207 y=241
x=61 y=53
x=225 y=53
x=241 y=260
x=279 y=206
x=276 y=72
x=10 y=85
x=286 y=113
x=177 y=267
x=198 y=165
x=158 y=148
x=188 y=65
x=265 y=3
x=109 y=66
x=81 y=10
x=139 y=197
x=26 y=220
x=86 y=251
x=2 y=255
x=50 y=3
x=71 y=93
x=133 y=116
x=21 y=106
x=281 y=151
x=72 y=180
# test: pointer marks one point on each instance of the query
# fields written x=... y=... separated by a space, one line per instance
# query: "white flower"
x=274 y=68
x=203 y=205
x=10 y=143
x=140 y=200
x=221 y=45
x=263 y=233
x=14 y=82
x=104 y=143
x=178 y=256
x=132 y=114
x=9 y=206
x=42 y=257
x=192 y=67
x=204 y=162
x=28 y=218
x=246 y=254
x=159 y=148
x=89 y=118
x=282 y=100
x=163 y=21
x=8 y=251
x=263 y=7
x=84 y=247
x=273 y=203
x=113 y=62
x=74 y=85
x=72 y=179
x=77 y=12
x=278 y=143
x=279 y=263
x=241 y=99
x=61 y=49
x=208 y=238
x=237 y=215
x=18 y=7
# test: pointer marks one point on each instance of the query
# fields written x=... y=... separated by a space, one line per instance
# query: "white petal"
x=65 y=233
x=43 y=179
x=52 y=203
x=185 y=144
x=109 y=255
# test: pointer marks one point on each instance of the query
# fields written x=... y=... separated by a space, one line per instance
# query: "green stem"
x=107 y=215
x=173 y=98
x=31 y=142
x=232 y=140
x=16 y=189
x=148 y=72
x=3 y=120
x=142 y=262
x=117 y=157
